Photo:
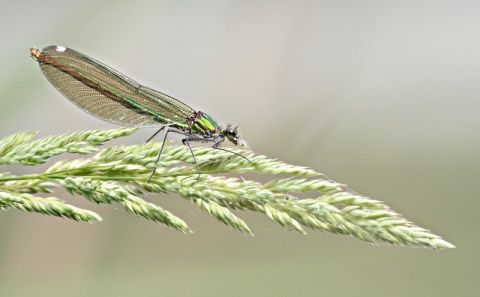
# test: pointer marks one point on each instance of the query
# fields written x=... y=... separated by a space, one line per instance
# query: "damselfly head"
x=231 y=133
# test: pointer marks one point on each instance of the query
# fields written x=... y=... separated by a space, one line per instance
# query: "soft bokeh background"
x=381 y=95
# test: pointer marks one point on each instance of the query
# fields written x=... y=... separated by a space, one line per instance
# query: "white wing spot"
x=61 y=48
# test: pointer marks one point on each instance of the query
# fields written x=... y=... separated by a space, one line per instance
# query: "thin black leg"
x=161 y=150
x=185 y=141
x=155 y=134
x=216 y=146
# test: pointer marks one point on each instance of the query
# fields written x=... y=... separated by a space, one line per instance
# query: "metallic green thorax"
x=205 y=125
x=111 y=96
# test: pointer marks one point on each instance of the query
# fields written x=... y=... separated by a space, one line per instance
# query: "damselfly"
x=113 y=97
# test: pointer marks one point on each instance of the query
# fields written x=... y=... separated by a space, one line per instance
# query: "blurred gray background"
x=380 y=95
